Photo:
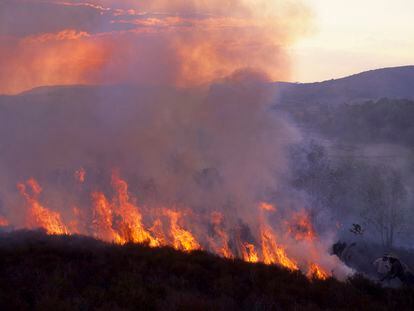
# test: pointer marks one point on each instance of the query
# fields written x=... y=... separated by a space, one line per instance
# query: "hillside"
x=395 y=82
x=40 y=272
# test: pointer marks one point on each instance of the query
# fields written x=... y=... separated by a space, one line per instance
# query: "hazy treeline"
x=356 y=167
x=382 y=121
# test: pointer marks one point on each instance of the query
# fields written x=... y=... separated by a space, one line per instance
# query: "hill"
x=395 y=82
x=40 y=272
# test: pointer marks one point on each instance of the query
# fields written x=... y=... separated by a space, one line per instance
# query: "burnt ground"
x=40 y=272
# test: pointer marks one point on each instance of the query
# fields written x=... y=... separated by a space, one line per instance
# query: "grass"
x=40 y=272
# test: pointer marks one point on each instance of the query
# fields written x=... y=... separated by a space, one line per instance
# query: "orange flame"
x=158 y=232
x=249 y=253
x=102 y=219
x=301 y=227
x=38 y=215
x=131 y=226
x=220 y=247
x=181 y=238
x=273 y=253
x=317 y=272
x=120 y=220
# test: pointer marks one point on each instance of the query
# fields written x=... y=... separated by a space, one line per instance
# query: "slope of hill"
x=395 y=82
x=40 y=272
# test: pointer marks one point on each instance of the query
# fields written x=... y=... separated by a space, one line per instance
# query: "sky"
x=194 y=42
x=353 y=36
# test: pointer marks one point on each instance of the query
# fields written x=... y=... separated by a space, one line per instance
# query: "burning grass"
x=120 y=219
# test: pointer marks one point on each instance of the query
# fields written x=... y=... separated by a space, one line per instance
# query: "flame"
x=103 y=218
x=38 y=215
x=120 y=220
x=274 y=253
x=74 y=224
x=220 y=241
x=301 y=227
x=158 y=232
x=181 y=238
x=317 y=272
x=131 y=226
x=249 y=253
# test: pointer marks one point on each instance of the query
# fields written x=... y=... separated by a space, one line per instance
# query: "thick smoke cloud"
x=181 y=43
x=206 y=147
x=188 y=118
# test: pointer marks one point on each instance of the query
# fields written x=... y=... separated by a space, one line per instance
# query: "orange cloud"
x=50 y=59
x=181 y=43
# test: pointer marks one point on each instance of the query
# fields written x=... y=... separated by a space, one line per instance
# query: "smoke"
x=188 y=118
x=217 y=127
x=204 y=147
x=179 y=43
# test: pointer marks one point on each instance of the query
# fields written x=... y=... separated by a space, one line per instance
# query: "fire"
x=131 y=226
x=158 y=232
x=74 y=223
x=38 y=216
x=120 y=220
x=181 y=238
x=249 y=253
x=274 y=253
x=103 y=218
x=317 y=272
x=220 y=247
x=301 y=227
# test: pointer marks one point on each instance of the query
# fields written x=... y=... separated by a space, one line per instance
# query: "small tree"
x=385 y=199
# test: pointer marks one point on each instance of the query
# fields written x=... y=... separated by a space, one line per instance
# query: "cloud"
x=180 y=43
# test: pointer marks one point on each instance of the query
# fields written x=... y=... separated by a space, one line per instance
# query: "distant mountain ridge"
x=394 y=83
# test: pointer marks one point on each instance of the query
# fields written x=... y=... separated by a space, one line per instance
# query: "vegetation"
x=382 y=121
x=39 y=272
x=356 y=190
